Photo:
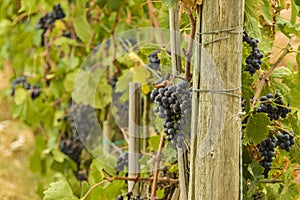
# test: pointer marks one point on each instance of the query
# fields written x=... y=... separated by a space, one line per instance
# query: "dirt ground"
x=16 y=146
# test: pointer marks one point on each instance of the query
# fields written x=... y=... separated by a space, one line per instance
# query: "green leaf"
x=160 y=193
x=247 y=90
x=36 y=157
x=29 y=6
x=257 y=128
x=287 y=27
x=59 y=190
x=97 y=93
x=69 y=81
x=81 y=25
x=266 y=11
x=20 y=96
x=4 y=26
x=290 y=192
x=281 y=72
x=295 y=12
x=256 y=169
x=251 y=18
x=114 y=5
x=101 y=3
x=154 y=142
x=123 y=81
x=103 y=94
x=85 y=186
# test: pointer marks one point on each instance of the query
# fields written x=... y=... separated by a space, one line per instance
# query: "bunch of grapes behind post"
x=173 y=104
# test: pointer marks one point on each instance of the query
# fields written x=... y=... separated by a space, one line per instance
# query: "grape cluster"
x=129 y=197
x=154 y=61
x=257 y=196
x=276 y=111
x=285 y=140
x=82 y=120
x=254 y=59
x=267 y=148
x=122 y=162
x=72 y=147
x=49 y=18
x=174 y=106
x=35 y=91
x=46 y=22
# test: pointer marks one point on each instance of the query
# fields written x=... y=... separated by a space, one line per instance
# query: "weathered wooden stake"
x=134 y=124
x=106 y=136
x=215 y=148
x=175 y=40
x=146 y=122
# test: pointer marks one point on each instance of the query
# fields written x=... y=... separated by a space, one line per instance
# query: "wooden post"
x=134 y=124
x=215 y=148
x=176 y=70
x=146 y=122
x=106 y=136
x=175 y=40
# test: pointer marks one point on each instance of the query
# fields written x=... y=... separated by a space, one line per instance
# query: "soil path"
x=16 y=146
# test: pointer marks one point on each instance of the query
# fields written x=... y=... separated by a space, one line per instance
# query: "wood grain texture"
x=134 y=131
x=215 y=148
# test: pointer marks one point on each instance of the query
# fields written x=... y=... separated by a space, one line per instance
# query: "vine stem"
x=189 y=52
x=138 y=178
x=271 y=181
x=112 y=32
x=156 y=170
x=154 y=20
x=262 y=82
x=92 y=188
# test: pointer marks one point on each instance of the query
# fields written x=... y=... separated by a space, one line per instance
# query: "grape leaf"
x=140 y=74
x=154 y=142
x=289 y=192
x=114 y=5
x=266 y=11
x=294 y=12
x=59 y=190
x=69 y=81
x=122 y=84
x=97 y=93
x=160 y=193
x=281 y=72
x=20 y=96
x=29 y=6
x=4 y=26
x=81 y=25
x=257 y=127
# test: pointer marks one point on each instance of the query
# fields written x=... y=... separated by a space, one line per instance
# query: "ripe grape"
x=72 y=147
x=35 y=91
x=267 y=148
x=173 y=104
x=154 y=61
x=285 y=140
x=122 y=162
x=274 y=111
x=253 y=61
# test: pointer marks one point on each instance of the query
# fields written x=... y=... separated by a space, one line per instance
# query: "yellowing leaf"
x=145 y=88
x=59 y=190
x=138 y=62
x=140 y=75
x=59 y=25
x=20 y=96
